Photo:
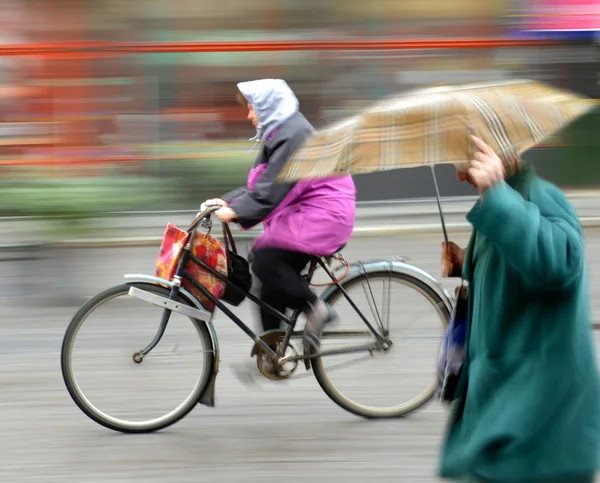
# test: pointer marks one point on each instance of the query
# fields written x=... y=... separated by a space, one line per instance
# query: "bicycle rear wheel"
x=116 y=392
x=357 y=381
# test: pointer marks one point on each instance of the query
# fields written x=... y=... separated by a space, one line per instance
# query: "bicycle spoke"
x=340 y=365
x=412 y=319
x=373 y=305
x=359 y=384
x=386 y=307
x=155 y=355
x=114 y=389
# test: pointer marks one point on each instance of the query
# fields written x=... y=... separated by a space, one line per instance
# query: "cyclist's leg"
x=282 y=287
x=280 y=270
x=276 y=300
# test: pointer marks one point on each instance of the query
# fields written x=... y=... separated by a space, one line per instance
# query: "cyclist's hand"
x=213 y=202
x=452 y=260
x=225 y=214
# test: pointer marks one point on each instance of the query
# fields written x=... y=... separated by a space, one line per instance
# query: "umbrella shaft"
x=439 y=203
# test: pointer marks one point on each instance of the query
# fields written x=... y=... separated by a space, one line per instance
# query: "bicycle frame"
x=182 y=273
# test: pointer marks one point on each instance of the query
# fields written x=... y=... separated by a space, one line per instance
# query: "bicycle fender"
x=208 y=396
x=398 y=266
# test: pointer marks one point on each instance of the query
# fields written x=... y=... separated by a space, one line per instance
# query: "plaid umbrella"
x=432 y=126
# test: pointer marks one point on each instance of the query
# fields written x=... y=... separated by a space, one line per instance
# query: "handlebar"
x=227 y=236
x=202 y=216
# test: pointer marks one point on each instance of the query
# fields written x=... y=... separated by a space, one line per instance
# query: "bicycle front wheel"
x=106 y=383
x=391 y=383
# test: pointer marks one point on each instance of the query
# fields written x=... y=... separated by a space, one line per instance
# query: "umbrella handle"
x=439 y=203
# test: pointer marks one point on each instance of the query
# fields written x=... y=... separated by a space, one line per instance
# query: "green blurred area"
x=576 y=165
x=183 y=176
x=182 y=180
x=69 y=197
x=179 y=110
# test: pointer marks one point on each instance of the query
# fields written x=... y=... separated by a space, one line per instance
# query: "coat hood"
x=273 y=101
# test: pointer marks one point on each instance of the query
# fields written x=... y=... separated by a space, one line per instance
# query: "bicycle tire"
x=114 y=423
x=366 y=411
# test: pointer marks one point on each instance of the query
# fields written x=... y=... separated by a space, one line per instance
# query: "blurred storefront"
x=87 y=108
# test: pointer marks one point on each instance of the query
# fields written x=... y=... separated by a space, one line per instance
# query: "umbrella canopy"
x=433 y=126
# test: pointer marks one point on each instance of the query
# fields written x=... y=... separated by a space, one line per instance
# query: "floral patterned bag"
x=205 y=247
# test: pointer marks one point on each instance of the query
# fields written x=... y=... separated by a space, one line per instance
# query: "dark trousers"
x=282 y=285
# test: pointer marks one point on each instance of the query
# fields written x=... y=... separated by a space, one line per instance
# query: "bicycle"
x=276 y=356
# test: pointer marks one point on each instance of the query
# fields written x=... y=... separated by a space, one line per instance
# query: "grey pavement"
x=286 y=431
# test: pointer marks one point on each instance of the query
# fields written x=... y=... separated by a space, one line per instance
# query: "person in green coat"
x=527 y=404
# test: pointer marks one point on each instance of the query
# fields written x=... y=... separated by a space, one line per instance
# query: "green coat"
x=528 y=403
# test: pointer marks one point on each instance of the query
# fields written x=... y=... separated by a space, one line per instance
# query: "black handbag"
x=238 y=272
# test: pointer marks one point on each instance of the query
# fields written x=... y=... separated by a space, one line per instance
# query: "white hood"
x=273 y=101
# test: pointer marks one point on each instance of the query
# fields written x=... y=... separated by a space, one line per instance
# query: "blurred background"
x=109 y=106
x=118 y=117
x=88 y=128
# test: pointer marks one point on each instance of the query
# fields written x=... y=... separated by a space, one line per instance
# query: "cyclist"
x=301 y=220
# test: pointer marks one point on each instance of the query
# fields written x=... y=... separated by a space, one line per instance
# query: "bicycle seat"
x=339 y=249
x=336 y=252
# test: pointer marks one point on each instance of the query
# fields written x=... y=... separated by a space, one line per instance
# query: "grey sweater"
x=253 y=206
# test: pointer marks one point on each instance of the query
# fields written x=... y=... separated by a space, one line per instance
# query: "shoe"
x=317 y=316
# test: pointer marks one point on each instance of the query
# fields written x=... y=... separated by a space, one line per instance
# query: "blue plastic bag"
x=452 y=352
